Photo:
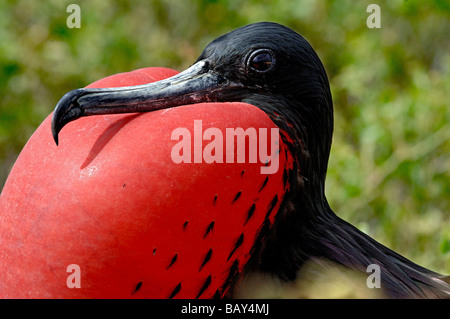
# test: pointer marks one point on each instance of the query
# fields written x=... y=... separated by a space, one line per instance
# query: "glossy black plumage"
x=299 y=101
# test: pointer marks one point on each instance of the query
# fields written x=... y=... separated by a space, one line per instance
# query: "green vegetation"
x=390 y=161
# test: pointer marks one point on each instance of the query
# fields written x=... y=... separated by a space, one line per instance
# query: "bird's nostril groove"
x=221 y=80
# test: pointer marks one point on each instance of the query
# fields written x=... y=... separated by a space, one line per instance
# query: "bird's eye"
x=261 y=60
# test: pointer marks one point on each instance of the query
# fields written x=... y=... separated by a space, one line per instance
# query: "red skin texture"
x=110 y=199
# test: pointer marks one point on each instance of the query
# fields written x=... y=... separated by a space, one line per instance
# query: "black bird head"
x=277 y=70
x=264 y=64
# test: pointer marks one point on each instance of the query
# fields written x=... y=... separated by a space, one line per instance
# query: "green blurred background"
x=389 y=166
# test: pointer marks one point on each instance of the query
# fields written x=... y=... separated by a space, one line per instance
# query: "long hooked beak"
x=194 y=85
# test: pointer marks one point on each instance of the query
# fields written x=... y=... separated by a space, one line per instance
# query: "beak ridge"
x=194 y=85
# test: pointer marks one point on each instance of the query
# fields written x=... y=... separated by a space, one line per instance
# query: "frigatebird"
x=275 y=69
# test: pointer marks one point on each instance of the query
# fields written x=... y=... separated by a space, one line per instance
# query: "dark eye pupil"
x=262 y=61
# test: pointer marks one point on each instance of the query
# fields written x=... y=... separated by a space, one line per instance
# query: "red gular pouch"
x=118 y=211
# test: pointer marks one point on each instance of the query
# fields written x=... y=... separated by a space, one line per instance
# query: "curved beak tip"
x=55 y=136
x=55 y=130
x=56 y=123
x=66 y=110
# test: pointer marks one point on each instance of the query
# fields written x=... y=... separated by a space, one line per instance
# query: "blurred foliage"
x=389 y=166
